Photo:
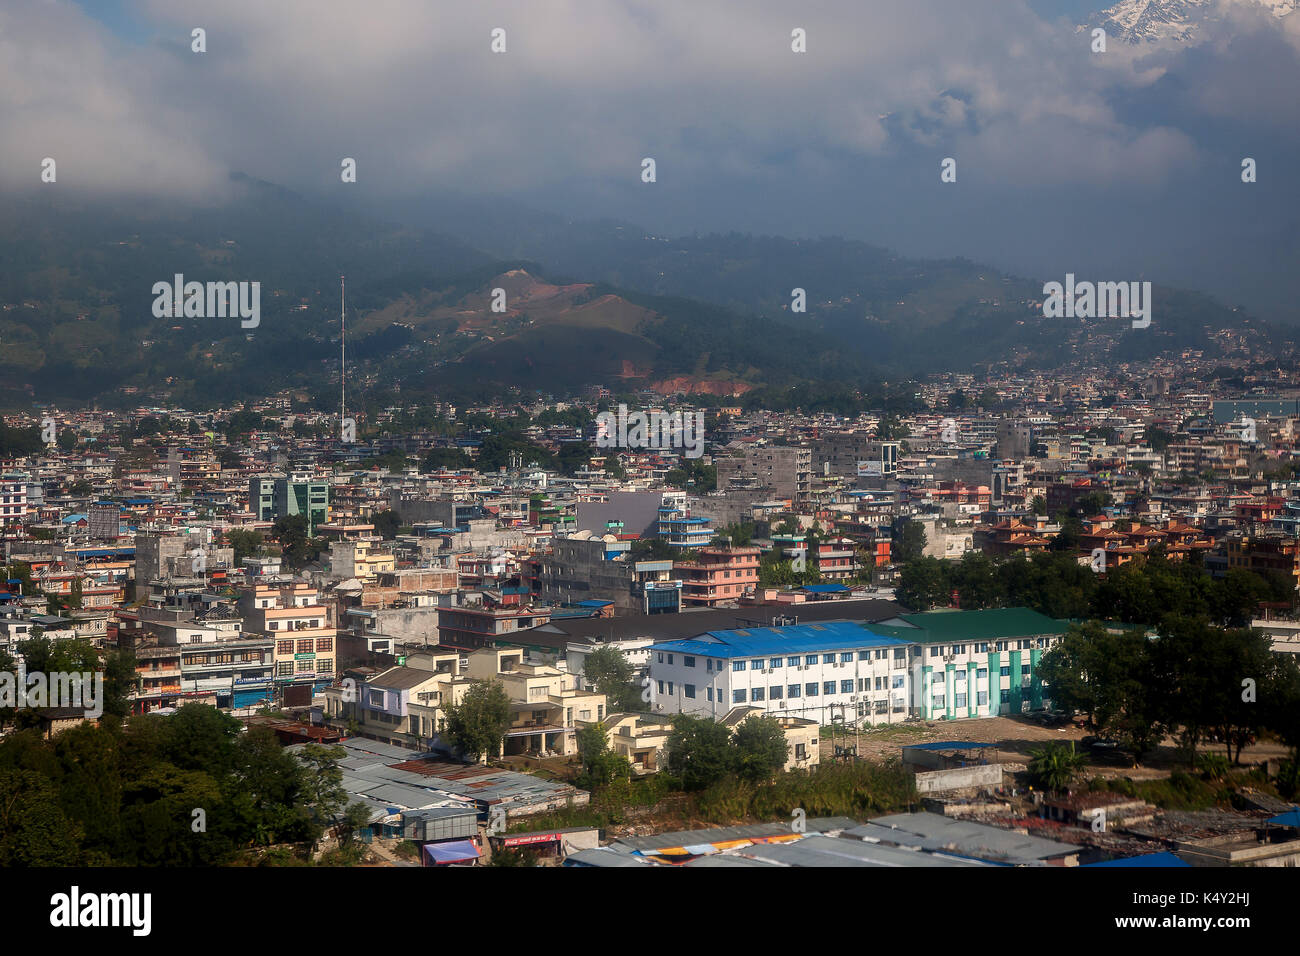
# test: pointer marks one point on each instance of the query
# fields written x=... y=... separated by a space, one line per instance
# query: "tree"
x=34 y=830
x=1039 y=505
x=923 y=584
x=323 y=781
x=477 y=725
x=246 y=543
x=761 y=749
x=909 y=544
x=438 y=459
x=699 y=751
x=613 y=675
x=1054 y=766
x=600 y=765
x=387 y=523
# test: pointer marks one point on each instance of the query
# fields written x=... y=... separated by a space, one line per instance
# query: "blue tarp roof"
x=948 y=745
x=824 y=588
x=1290 y=818
x=760 y=641
x=1148 y=860
x=453 y=851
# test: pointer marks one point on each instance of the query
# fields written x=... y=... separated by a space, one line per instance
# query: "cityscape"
x=411 y=511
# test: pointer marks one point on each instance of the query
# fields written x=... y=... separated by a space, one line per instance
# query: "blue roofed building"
x=833 y=670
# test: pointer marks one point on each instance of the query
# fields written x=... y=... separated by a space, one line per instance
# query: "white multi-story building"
x=940 y=665
x=833 y=671
x=13 y=499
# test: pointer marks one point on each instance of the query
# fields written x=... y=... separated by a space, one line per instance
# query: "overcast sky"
x=1117 y=165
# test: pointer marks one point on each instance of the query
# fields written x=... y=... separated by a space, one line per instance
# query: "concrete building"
x=779 y=471
x=13 y=500
x=975 y=663
x=827 y=672
x=180 y=556
x=270 y=498
x=718 y=575
x=586 y=567
x=802 y=736
x=291 y=614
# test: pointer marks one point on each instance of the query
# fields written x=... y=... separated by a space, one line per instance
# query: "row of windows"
x=940 y=650
x=959 y=700
x=847 y=657
x=760 y=694
x=306 y=645
x=794 y=660
x=938 y=677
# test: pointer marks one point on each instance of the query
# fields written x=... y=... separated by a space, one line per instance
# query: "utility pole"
x=343 y=343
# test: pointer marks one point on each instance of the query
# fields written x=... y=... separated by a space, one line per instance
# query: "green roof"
x=990 y=625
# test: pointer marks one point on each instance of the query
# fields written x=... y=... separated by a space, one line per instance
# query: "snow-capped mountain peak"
x=1139 y=21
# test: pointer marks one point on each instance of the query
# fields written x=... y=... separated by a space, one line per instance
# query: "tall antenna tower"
x=343 y=341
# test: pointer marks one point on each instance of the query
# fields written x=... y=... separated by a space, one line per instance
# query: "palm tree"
x=1053 y=767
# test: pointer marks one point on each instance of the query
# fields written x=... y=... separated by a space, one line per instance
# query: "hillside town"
x=855 y=588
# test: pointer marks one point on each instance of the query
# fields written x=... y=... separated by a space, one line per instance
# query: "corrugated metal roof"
x=761 y=641
x=986 y=625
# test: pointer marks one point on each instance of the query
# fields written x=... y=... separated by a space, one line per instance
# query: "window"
x=959 y=700
x=774 y=663
x=828 y=658
x=810 y=660
x=756 y=665
x=688 y=661
x=846 y=657
x=1024 y=670
x=737 y=696
x=775 y=692
x=737 y=666
x=708 y=692
x=670 y=688
x=1006 y=671
x=305 y=645
x=582 y=714
x=982 y=673
x=325 y=666
x=757 y=694
x=810 y=690
x=792 y=690
x=670 y=658
x=306 y=667
x=959 y=648
x=688 y=690
x=981 y=698
x=982 y=648
x=935 y=650
x=846 y=687
x=800 y=751
x=1006 y=697
x=792 y=661
x=661 y=687
x=828 y=687
x=324 y=645
x=880 y=684
x=864 y=655
x=708 y=664
x=284 y=647
x=661 y=657
x=938 y=701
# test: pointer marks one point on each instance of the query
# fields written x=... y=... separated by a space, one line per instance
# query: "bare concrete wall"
x=937 y=781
